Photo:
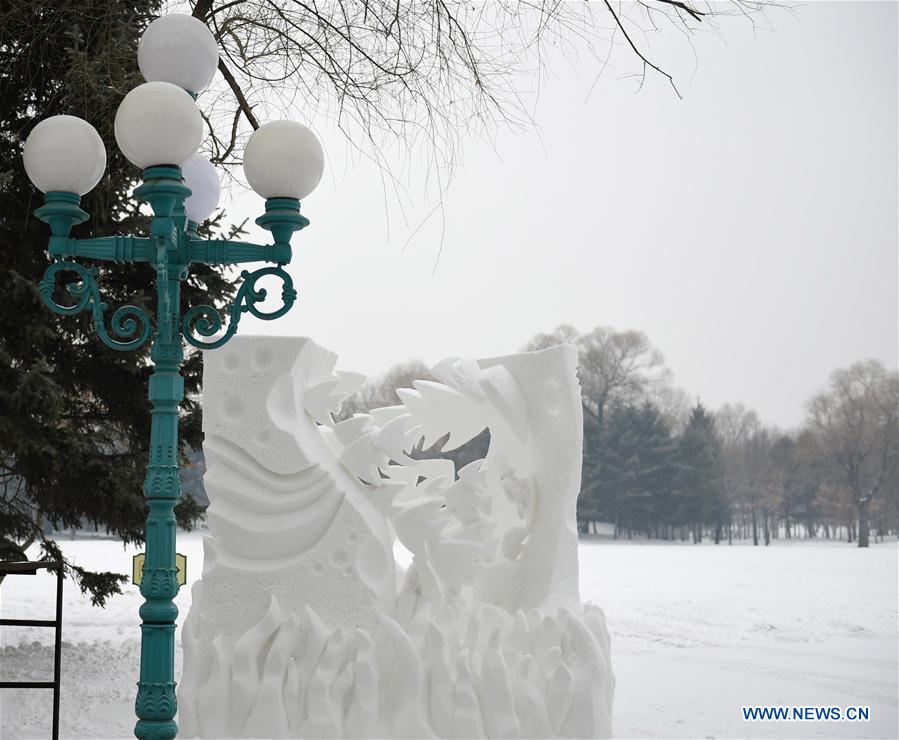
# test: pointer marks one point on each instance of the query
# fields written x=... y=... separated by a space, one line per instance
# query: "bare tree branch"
x=238 y=95
x=637 y=51
x=419 y=77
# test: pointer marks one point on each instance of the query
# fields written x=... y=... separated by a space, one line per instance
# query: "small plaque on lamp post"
x=137 y=568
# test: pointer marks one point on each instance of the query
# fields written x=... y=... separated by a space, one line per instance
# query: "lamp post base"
x=148 y=729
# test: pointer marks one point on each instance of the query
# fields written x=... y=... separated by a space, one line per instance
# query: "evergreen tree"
x=74 y=415
x=591 y=503
x=636 y=454
x=701 y=498
x=657 y=467
x=616 y=460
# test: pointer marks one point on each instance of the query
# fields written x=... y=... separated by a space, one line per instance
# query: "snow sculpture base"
x=304 y=625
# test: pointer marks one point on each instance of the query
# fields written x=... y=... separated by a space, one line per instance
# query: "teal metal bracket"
x=129 y=323
x=205 y=321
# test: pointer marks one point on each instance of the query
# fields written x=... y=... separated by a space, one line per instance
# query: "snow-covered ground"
x=697 y=633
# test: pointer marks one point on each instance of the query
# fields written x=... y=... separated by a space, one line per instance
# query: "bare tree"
x=837 y=509
x=620 y=367
x=613 y=366
x=857 y=418
x=736 y=424
x=743 y=443
x=673 y=403
x=421 y=72
x=562 y=334
x=765 y=483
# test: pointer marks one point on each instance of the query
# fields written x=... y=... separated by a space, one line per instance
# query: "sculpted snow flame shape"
x=304 y=625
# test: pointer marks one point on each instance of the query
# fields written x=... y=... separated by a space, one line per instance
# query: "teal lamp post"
x=158 y=128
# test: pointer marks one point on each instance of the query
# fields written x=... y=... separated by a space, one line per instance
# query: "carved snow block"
x=304 y=625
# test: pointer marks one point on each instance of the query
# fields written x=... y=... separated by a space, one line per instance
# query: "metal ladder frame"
x=30 y=568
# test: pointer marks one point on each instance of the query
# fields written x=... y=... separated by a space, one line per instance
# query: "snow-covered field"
x=697 y=633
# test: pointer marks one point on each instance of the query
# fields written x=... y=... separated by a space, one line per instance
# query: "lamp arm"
x=282 y=217
x=206 y=321
x=129 y=325
x=111 y=248
x=228 y=252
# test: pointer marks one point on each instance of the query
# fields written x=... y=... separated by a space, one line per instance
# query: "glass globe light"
x=283 y=159
x=64 y=153
x=202 y=178
x=179 y=49
x=158 y=123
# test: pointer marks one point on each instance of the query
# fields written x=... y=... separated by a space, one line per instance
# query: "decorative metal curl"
x=206 y=321
x=130 y=325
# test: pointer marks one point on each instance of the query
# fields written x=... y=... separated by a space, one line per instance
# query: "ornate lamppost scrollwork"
x=206 y=321
x=129 y=325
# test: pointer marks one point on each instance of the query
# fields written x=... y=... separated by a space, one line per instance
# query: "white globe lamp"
x=202 y=178
x=179 y=49
x=158 y=123
x=64 y=154
x=283 y=159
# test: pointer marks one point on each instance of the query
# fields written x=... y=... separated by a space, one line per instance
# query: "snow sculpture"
x=304 y=625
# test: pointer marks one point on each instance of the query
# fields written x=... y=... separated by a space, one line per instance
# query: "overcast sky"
x=750 y=229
